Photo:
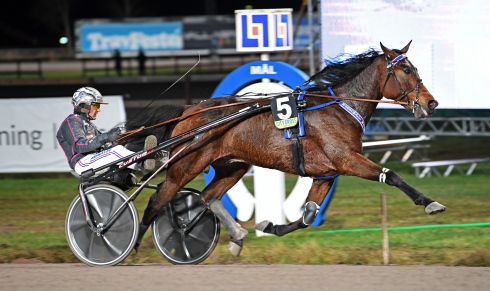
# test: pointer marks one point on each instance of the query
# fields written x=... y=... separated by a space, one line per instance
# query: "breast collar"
x=342 y=104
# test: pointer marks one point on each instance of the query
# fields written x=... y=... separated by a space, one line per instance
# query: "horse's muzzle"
x=421 y=111
x=432 y=104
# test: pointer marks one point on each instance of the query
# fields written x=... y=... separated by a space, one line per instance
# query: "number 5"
x=282 y=103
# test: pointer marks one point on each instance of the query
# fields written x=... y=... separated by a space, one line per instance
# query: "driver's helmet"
x=84 y=97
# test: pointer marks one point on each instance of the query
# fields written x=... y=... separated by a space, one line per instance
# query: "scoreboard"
x=264 y=30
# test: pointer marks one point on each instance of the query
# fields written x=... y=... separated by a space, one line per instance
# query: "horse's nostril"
x=432 y=104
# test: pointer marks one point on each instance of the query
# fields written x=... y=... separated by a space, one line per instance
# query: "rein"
x=125 y=135
x=353 y=98
x=129 y=133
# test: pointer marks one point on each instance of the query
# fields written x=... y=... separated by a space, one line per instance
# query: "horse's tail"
x=147 y=119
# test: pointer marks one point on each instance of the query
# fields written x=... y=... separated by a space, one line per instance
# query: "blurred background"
x=138 y=48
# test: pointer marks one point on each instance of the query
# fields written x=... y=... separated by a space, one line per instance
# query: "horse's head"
x=403 y=83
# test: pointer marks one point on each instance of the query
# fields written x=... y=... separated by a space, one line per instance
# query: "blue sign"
x=256 y=71
x=107 y=37
x=264 y=30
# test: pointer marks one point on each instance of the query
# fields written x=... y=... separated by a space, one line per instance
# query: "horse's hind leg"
x=178 y=175
x=317 y=194
x=358 y=165
x=226 y=175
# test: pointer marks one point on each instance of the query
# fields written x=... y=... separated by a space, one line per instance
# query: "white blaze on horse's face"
x=404 y=84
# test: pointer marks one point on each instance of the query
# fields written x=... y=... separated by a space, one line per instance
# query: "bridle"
x=404 y=94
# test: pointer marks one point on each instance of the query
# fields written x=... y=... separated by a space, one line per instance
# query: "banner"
x=28 y=129
x=126 y=36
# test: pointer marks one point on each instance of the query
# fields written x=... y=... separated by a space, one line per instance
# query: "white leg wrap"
x=311 y=210
x=382 y=176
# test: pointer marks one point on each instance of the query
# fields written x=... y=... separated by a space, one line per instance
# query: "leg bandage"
x=382 y=175
x=311 y=210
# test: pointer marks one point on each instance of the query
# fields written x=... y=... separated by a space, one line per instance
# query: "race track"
x=241 y=277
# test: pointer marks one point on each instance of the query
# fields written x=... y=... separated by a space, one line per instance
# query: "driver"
x=85 y=146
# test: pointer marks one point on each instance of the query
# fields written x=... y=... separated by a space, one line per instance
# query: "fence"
x=156 y=63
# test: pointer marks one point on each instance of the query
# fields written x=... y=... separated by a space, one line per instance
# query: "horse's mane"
x=152 y=116
x=339 y=69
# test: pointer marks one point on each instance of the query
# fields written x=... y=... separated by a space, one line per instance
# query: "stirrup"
x=150 y=142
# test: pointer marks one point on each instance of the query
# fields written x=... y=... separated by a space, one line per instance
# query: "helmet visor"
x=99 y=100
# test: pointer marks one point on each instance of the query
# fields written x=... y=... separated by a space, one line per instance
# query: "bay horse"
x=331 y=145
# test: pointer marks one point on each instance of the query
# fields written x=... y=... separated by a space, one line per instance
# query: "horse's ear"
x=390 y=55
x=405 y=49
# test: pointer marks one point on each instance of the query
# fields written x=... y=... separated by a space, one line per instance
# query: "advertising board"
x=128 y=36
x=28 y=130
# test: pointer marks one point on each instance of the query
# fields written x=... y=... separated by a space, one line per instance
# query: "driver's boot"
x=150 y=142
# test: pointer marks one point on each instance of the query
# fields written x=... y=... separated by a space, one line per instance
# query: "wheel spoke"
x=115 y=203
x=165 y=234
x=121 y=227
x=201 y=239
x=189 y=199
x=95 y=205
x=113 y=248
x=90 y=246
x=77 y=225
x=184 y=248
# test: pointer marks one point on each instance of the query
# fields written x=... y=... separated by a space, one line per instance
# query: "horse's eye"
x=407 y=71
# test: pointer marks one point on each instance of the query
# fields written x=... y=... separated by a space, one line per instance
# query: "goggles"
x=96 y=106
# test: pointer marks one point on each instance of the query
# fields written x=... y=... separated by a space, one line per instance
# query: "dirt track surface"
x=241 y=277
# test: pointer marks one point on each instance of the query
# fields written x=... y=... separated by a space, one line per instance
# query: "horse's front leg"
x=356 y=164
x=316 y=195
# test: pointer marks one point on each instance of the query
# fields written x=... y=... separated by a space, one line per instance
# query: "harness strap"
x=342 y=104
x=354 y=114
x=323 y=105
x=298 y=158
x=301 y=120
x=327 y=177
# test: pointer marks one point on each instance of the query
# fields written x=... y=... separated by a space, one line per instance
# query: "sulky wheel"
x=186 y=231
x=114 y=243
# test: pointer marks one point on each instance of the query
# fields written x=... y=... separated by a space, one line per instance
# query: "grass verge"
x=33 y=215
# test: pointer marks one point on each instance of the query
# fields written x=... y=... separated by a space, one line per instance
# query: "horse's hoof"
x=235 y=247
x=264 y=226
x=434 y=208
